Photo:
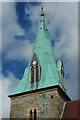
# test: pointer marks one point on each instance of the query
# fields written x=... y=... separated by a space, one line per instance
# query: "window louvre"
x=32 y=74
x=37 y=73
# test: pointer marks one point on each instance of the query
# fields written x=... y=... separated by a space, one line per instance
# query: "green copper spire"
x=50 y=67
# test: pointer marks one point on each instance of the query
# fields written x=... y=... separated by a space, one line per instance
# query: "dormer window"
x=34 y=70
x=32 y=74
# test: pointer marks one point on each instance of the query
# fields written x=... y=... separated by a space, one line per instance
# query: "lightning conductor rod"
x=42 y=12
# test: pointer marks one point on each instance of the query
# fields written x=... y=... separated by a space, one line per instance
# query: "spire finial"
x=42 y=12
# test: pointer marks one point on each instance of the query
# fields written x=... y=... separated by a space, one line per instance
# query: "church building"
x=41 y=93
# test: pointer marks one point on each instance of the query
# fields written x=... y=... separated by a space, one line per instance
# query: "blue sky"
x=20 y=23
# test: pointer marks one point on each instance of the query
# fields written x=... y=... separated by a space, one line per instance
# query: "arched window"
x=37 y=72
x=35 y=114
x=32 y=74
x=30 y=114
x=34 y=70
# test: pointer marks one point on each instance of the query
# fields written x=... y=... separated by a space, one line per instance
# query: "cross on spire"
x=42 y=12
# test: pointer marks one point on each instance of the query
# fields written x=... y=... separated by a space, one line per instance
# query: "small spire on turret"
x=42 y=12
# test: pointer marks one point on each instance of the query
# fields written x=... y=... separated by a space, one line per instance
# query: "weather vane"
x=42 y=12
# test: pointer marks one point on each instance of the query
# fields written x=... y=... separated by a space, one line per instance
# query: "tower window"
x=32 y=74
x=34 y=114
x=51 y=96
x=30 y=114
x=34 y=70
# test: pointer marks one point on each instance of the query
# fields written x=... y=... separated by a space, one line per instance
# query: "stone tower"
x=41 y=93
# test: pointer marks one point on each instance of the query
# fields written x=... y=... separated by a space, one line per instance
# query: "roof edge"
x=37 y=90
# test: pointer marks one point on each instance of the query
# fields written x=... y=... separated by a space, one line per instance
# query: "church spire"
x=47 y=73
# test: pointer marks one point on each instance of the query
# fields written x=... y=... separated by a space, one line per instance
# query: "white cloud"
x=22 y=51
x=34 y=14
x=14 y=49
x=10 y=27
x=8 y=83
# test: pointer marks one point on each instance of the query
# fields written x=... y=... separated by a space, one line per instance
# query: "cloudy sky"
x=20 y=23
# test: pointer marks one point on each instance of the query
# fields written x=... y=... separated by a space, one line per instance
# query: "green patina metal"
x=50 y=66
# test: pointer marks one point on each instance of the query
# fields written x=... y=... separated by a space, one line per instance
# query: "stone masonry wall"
x=48 y=103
